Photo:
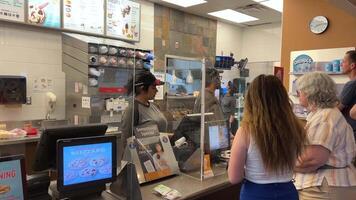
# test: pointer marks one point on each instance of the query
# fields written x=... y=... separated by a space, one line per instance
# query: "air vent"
x=252 y=8
x=258 y=24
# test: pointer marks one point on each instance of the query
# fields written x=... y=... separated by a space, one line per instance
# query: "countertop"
x=189 y=187
x=36 y=138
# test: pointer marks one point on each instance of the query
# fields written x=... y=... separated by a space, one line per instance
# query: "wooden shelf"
x=300 y=74
x=181 y=97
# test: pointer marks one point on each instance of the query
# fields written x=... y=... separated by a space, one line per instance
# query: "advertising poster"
x=13 y=10
x=154 y=152
x=44 y=13
x=11 y=180
x=154 y=159
x=123 y=19
x=85 y=163
x=84 y=15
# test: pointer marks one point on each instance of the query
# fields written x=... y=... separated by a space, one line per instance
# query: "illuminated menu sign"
x=44 y=13
x=123 y=19
x=84 y=15
x=13 y=10
x=11 y=180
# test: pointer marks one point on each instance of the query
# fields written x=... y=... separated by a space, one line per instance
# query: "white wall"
x=258 y=43
x=228 y=39
x=33 y=53
x=262 y=43
x=147 y=25
x=37 y=53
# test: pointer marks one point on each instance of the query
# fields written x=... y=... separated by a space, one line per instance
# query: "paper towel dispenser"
x=12 y=90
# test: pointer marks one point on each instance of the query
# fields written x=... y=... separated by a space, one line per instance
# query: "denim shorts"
x=270 y=191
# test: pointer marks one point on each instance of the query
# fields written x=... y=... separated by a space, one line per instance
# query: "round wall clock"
x=318 y=24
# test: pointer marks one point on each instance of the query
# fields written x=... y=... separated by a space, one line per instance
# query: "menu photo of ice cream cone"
x=37 y=13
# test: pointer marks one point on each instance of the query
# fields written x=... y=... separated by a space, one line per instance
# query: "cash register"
x=46 y=154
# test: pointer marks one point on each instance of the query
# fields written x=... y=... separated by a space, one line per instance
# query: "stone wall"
x=196 y=36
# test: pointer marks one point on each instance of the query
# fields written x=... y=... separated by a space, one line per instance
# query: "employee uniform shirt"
x=228 y=104
x=348 y=99
x=212 y=105
x=146 y=114
x=328 y=128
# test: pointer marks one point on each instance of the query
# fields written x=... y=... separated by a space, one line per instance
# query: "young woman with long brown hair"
x=267 y=144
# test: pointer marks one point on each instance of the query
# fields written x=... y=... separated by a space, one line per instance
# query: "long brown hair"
x=269 y=118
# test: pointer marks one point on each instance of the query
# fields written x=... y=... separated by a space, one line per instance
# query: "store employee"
x=212 y=104
x=143 y=110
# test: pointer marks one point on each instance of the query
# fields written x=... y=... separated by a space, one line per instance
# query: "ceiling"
x=264 y=14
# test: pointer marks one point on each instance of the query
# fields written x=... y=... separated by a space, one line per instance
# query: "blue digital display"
x=11 y=180
x=86 y=163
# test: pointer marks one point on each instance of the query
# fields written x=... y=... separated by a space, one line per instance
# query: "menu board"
x=13 y=10
x=123 y=19
x=84 y=15
x=44 y=13
x=11 y=180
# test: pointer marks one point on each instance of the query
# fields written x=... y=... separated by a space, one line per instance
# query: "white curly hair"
x=319 y=89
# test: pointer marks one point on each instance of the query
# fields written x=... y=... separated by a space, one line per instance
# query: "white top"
x=255 y=170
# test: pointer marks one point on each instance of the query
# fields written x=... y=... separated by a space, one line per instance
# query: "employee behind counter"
x=144 y=111
x=212 y=104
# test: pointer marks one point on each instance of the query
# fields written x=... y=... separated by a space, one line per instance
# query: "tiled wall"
x=196 y=36
x=34 y=53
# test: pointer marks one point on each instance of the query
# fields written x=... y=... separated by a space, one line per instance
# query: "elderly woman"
x=324 y=170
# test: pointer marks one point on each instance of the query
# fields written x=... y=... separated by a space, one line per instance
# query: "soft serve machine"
x=97 y=71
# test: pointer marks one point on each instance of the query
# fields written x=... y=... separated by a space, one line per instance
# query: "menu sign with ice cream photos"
x=123 y=19
x=11 y=180
x=13 y=10
x=44 y=13
x=84 y=15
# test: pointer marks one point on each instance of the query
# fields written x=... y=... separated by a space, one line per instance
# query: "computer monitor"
x=13 y=178
x=219 y=138
x=46 y=149
x=85 y=162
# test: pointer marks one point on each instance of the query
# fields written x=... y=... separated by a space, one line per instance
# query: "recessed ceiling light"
x=185 y=3
x=233 y=16
x=274 y=4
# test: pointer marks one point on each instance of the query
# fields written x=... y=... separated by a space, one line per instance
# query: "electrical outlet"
x=28 y=100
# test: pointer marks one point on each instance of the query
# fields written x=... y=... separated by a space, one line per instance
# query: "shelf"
x=300 y=74
x=181 y=97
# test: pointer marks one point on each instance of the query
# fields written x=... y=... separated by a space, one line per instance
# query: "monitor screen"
x=46 y=148
x=12 y=178
x=219 y=138
x=85 y=161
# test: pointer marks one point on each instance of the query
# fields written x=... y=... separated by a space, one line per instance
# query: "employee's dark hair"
x=140 y=76
x=352 y=56
x=211 y=76
x=271 y=123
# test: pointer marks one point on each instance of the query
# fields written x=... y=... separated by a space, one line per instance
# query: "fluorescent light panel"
x=274 y=4
x=185 y=3
x=233 y=16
